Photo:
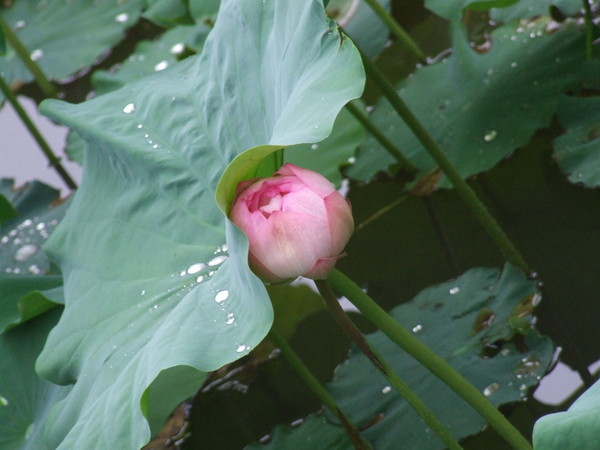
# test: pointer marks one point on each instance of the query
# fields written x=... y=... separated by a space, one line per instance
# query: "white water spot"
x=36 y=54
x=34 y=269
x=143 y=292
x=314 y=146
x=178 y=48
x=195 y=268
x=454 y=290
x=122 y=18
x=490 y=136
x=25 y=252
x=514 y=64
x=490 y=389
x=217 y=260
x=129 y=108
x=386 y=390
x=40 y=226
x=230 y=319
x=161 y=66
x=3 y=401
x=241 y=347
x=200 y=279
x=19 y=24
x=417 y=328
x=221 y=296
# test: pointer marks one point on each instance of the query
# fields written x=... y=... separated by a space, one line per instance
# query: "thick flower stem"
x=380 y=137
x=40 y=78
x=396 y=29
x=467 y=194
x=432 y=362
x=314 y=385
x=589 y=29
x=53 y=160
x=382 y=365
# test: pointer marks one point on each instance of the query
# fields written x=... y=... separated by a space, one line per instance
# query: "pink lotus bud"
x=296 y=223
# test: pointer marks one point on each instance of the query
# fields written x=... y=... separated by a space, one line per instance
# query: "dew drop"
x=221 y=296
x=417 y=328
x=195 y=268
x=490 y=136
x=177 y=48
x=490 y=389
x=200 y=279
x=217 y=260
x=129 y=108
x=40 y=226
x=143 y=292
x=230 y=319
x=386 y=390
x=34 y=269
x=3 y=401
x=122 y=18
x=454 y=290
x=18 y=25
x=240 y=348
x=514 y=64
x=36 y=54
x=161 y=66
x=314 y=146
x=25 y=252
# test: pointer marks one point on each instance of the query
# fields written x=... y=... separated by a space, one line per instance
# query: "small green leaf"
x=576 y=428
x=578 y=150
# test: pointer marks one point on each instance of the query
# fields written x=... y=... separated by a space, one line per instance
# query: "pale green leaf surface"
x=167 y=13
x=467 y=101
x=25 y=398
x=577 y=428
x=329 y=155
x=453 y=9
x=25 y=271
x=148 y=283
x=204 y=9
x=578 y=150
x=65 y=37
x=526 y=9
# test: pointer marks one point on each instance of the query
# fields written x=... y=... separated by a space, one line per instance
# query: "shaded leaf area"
x=25 y=271
x=575 y=428
x=65 y=37
x=526 y=9
x=336 y=151
x=479 y=323
x=480 y=107
x=361 y=23
x=291 y=306
x=147 y=58
x=167 y=13
x=578 y=150
x=422 y=241
x=247 y=400
x=25 y=398
x=163 y=318
x=453 y=10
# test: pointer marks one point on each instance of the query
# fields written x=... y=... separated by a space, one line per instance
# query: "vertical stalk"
x=53 y=160
x=382 y=365
x=589 y=29
x=462 y=187
x=397 y=30
x=314 y=385
x=432 y=362
x=40 y=78
x=379 y=136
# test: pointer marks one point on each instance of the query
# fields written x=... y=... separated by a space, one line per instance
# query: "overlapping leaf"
x=150 y=287
x=480 y=107
x=65 y=37
x=526 y=9
x=25 y=271
x=453 y=9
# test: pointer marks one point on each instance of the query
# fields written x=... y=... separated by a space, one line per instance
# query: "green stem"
x=432 y=362
x=589 y=29
x=382 y=365
x=40 y=78
x=53 y=160
x=380 y=137
x=396 y=29
x=314 y=385
x=381 y=212
x=478 y=209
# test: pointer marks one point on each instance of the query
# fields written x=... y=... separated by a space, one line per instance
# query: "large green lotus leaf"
x=149 y=285
x=578 y=150
x=25 y=271
x=329 y=155
x=65 y=37
x=526 y=9
x=25 y=398
x=480 y=324
x=453 y=9
x=480 y=107
x=577 y=428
